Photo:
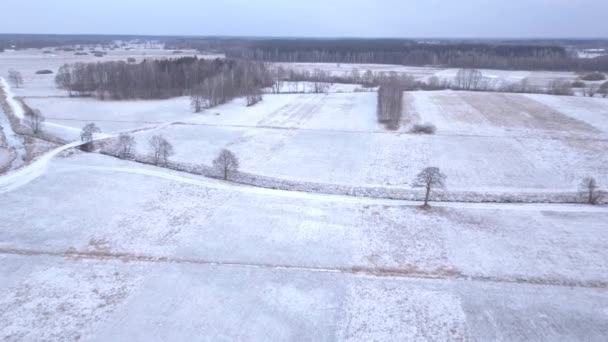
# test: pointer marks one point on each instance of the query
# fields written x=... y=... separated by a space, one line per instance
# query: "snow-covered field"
x=484 y=141
x=93 y=248
x=31 y=60
x=89 y=250
x=498 y=77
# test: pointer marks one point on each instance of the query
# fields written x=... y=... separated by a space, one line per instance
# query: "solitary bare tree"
x=590 y=190
x=86 y=136
x=429 y=178
x=226 y=162
x=34 y=120
x=15 y=78
x=125 y=146
x=161 y=150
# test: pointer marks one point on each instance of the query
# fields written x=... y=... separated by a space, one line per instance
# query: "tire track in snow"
x=403 y=273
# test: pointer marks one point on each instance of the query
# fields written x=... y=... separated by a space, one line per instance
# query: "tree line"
x=388 y=51
x=216 y=80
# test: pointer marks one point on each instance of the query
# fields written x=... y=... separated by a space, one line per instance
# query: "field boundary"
x=441 y=273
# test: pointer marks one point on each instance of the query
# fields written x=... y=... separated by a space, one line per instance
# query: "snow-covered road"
x=12 y=139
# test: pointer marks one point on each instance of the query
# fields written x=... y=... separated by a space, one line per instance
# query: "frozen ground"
x=93 y=248
x=234 y=264
x=484 y=141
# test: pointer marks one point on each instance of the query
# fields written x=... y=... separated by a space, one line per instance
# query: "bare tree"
x=604 y=89
x=590 y=190
x=591 y=90
x=15 y=78
x=196 y=99
x=87 y=135
x=161 y=150
x=429 y=178
x=226 y=163
x=254 y=95
x=34 y=120
x=125 y=146
x=604 y=93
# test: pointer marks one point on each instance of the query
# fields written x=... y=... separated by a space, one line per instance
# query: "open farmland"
x=314 y=261
x=485 y=141
x=317 y=237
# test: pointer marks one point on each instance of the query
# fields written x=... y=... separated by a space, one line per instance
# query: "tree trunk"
x=426 y=197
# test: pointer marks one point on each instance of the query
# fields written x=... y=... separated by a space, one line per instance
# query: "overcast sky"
x=313 y=18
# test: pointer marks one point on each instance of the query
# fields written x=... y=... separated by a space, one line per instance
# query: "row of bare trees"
x=432 y=178
x=227 y=163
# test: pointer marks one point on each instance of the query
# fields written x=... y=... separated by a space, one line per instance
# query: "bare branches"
x=161 y=150
x=226 y=163
x=34 y=119
x=125 y=146
x=429 y=178
x=86 y=136
x=590 y=190
x=15 y=78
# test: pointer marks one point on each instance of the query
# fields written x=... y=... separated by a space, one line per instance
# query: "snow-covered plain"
x=93 y=248
x=95 y=254
x=484 y=141
x=31 y=60
x=496 y=77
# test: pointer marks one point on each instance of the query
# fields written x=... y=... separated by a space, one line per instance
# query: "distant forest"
x=554 y=55
x=411 y=53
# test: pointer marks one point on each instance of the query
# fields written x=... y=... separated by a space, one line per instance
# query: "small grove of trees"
x=125 y=146
x=34 y=119
x=430 y=178
x=214 y=81
x=390 y=103
x=87 y=135
x=468 y=79
x=590 y=191
x=239 y=79
x=559 y=87
x=226 y=163
x=161 y=150
x=15 y=78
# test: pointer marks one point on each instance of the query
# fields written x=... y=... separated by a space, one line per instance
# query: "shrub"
x=131 y=60
x=425 y=128
x=81 y=53
x=594 y=76
x=44 y=72
x=578 y=84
